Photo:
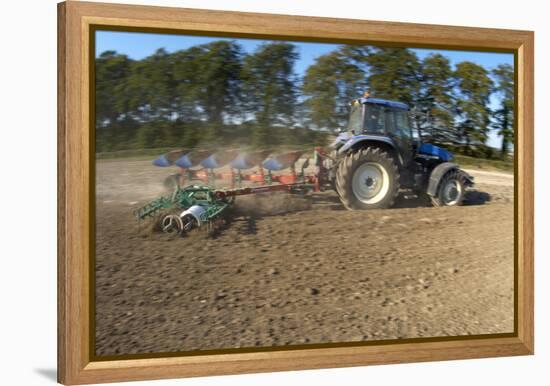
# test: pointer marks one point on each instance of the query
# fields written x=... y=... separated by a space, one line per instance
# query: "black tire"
x=451 y=189
x=367 y=162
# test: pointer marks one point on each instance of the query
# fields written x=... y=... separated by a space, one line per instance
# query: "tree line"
x=216 y=94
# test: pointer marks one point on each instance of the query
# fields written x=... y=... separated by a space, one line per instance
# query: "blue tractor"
x=380 y=154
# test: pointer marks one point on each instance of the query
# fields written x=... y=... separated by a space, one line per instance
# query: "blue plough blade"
x=249 y=160
x=162 y=161
x=169 y=158
x=282 y=161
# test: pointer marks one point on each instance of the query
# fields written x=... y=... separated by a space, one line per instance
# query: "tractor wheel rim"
x=370 y=183
x=451 y=192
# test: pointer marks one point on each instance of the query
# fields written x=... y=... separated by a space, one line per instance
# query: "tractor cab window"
x=356 y=118
x=375 y=119
x=400 y=124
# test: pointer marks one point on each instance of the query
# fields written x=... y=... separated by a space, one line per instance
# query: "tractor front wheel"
x=367 y=179
x=451 y=190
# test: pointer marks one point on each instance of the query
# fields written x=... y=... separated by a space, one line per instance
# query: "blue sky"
x=139 y=45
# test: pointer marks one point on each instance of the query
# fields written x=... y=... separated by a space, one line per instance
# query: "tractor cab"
x=391 y=122
x=379 y=117
x=384 y=118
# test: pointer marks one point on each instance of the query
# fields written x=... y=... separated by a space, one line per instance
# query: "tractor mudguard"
x=437 y=173
x=361 y=138
x=381 y=139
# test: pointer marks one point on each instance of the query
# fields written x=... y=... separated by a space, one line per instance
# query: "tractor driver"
x=374 y=120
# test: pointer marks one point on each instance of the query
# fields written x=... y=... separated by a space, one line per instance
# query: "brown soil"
x=285 y=271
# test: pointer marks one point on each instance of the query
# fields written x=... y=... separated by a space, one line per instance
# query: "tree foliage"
x=394 y=73
x=111 y=72
x=504 y=115
x=216 y=94
x=270 y=90
x=436 y=98
x=207 y=82
x=329 y=86
x=475 y=87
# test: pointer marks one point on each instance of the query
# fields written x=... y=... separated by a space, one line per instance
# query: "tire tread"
x=454 y=173
x=348 y=166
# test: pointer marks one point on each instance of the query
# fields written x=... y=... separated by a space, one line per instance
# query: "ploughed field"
x=288 y=271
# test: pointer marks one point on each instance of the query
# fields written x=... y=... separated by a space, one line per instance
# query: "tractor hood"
x=435 y=151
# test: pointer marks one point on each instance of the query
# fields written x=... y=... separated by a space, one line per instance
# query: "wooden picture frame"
x=76 y=364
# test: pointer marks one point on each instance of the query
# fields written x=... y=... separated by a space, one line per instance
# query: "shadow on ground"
x=472 y=197
x=475 y=197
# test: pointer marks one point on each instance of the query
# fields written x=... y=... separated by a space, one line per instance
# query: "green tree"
x=436 y=99
x=504 y=115
x=208 y=87
x=149 y=87
x=208 y=83
x=357 y=54
x=215 y=93
x=329 y=85
x=187 y=97
x=394 y=73
x=111 y=73
x=270 y=91
x=113 y=123
x=474 y=87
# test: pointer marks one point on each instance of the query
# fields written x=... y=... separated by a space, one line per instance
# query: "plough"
x=203 y=205
x=201 y=165
x=375 y=157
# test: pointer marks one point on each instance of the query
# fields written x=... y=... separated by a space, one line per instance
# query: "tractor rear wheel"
x=367 y=179
x=451 y=189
